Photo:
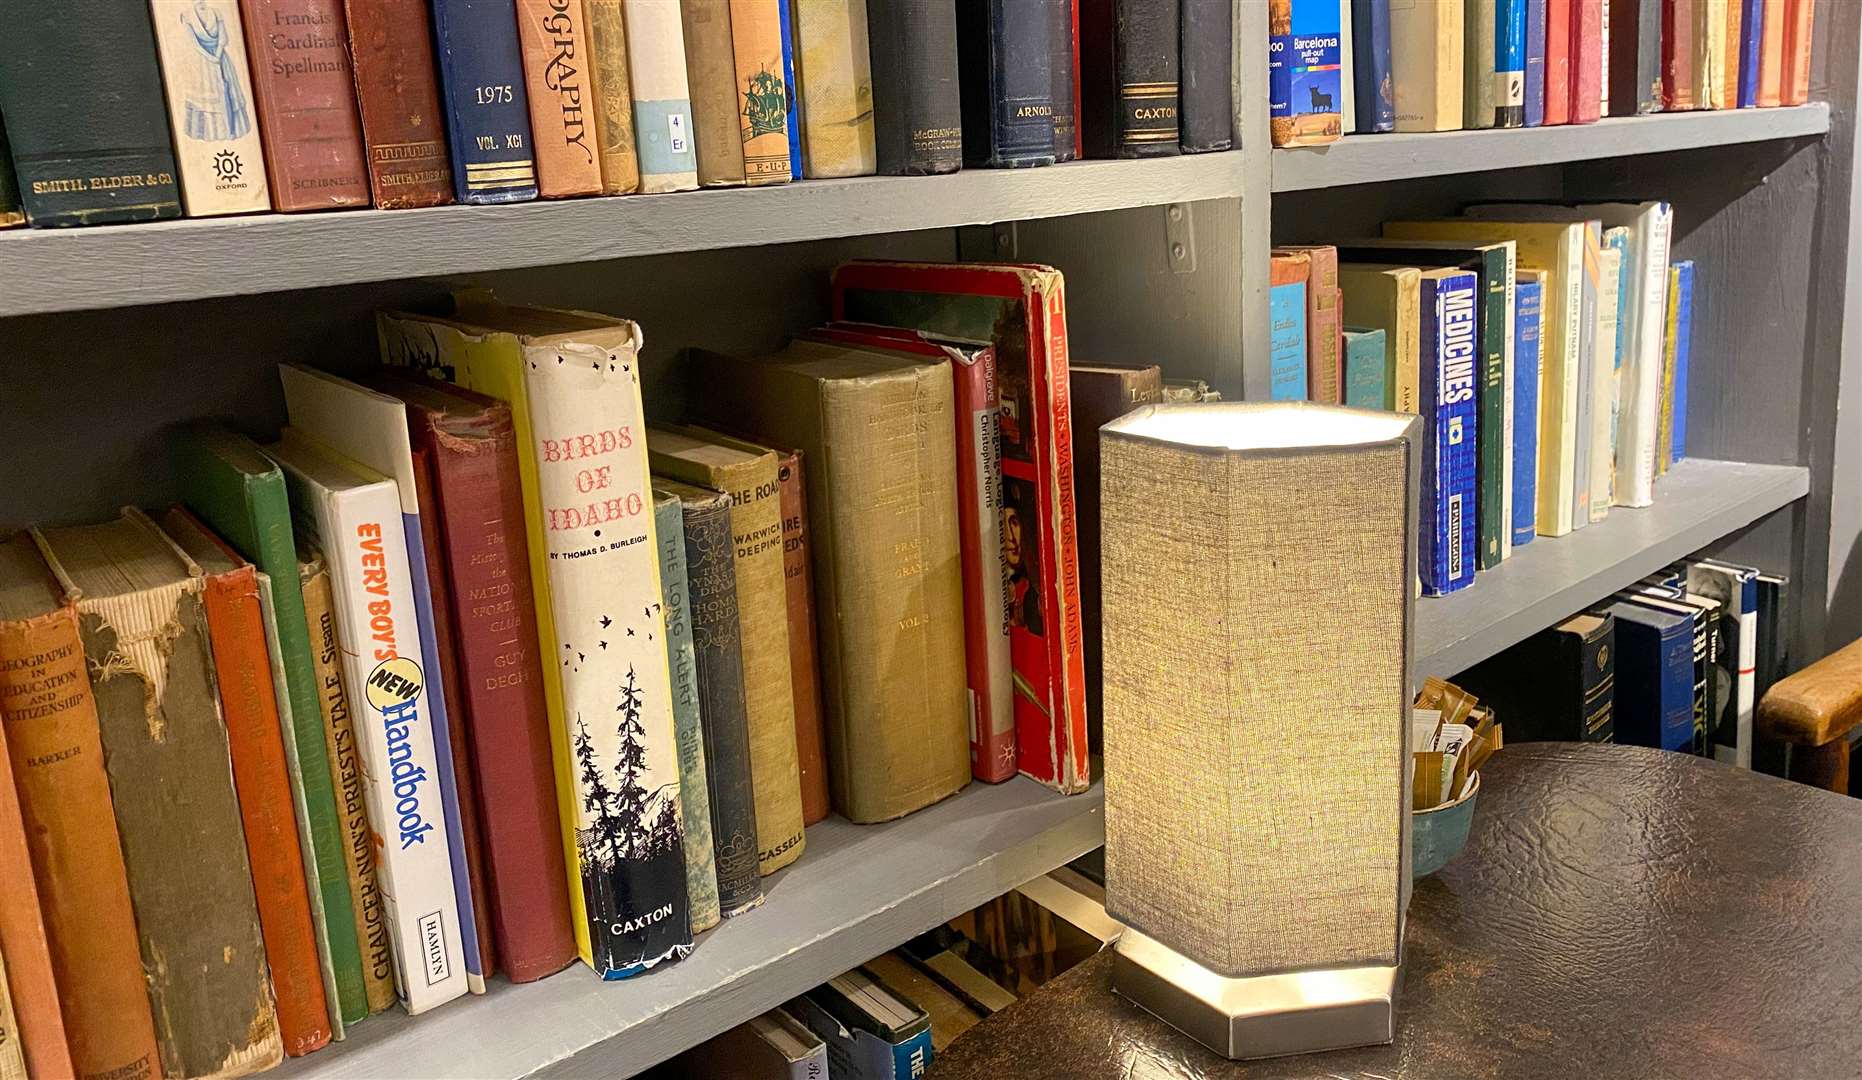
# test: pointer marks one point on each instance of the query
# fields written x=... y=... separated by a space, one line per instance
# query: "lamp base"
x=1261 y=1016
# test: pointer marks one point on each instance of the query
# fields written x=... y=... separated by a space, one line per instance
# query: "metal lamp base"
x=1262 y=1016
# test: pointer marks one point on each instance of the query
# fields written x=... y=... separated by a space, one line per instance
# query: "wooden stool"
x=1814 y=711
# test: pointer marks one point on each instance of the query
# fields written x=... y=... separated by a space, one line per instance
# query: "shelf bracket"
x=1179 y=239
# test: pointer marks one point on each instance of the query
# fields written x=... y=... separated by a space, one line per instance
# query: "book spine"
x=662 y=100
x=204 y=965
x=1527 y=338
x=398 y=98
x=1597 y=668
x=306 y=98
x=1370 y=38
x=712 y=577
x=711 y=73
x=785 y=13
x=1287 y=313
x=1456 y=362
x=1303 y=72
x=1799 y=21
x=11 y=211
x=556 y=60
x=612 y=95
x=1364 y=369
x=701 y=868
x=987 y=661
x=1510 y=63
x=1584 y=390
x=1710 y=52
x=1066 y=124
x=219 y=158
x=1426 y=55
x=1149 y=79
x=1606 y=424
x=606 y=601
x=834 y=67
x=1642 y=387
x=90 y=135
x=503 y=713
x=1678 y=26
x=1534 y=113
x=1664 y=427
x=804 y=659
x=1005 y=55
x=1325 y=365
x=1729 y=55
x=1558 y=74
x=235 y=622
x=1586 y=60
x=1684 y=334
x=1771 y=55
x=917 y=110
x=12 y=1055
x=1508 y=266
x=761 y=103
x=33 y=1026
x=1480 y=105
x=1751 y=32
x=487 y=110
x=1347 y=77
x=1491 y=405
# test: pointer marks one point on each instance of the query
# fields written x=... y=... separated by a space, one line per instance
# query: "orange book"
x=1799 y=17
x=1729 y=71
x=811 y=749
x=1771 y=55
x=562 y=106
x=249 y=705
x=28 y=975
x=55 y=747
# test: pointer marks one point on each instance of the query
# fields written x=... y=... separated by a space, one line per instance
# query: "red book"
x=1587 y=60
x=398 y=95
x=1678 y=54
x=1022 y=310
x=249 y=706
x=1558 y=25
x=487 y=587
x=306 y=98
x=23 y=944
x=1799 y=18
x=1771 y=55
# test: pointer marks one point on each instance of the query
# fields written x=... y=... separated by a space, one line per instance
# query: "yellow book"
x=1710 y=55
x=1426 y=53
x=834 y=88
x=1389 y=297
x=1671 y=332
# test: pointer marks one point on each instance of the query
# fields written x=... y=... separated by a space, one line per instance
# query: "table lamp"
x=1259 y=562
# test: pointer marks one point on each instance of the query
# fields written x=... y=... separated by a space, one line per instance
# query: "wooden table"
x=1618 y=912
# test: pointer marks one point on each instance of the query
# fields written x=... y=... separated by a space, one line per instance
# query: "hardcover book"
x=1771 y=55
x=398 y=97
x=12 y=1056
x=872 y=1032
x=1558 y=80
x=243 y=670
x=917 y=104
x=1737 y=590
x=1557 y=685
x=1751 y=32
x=1389 y=298
x=1535 y=63
x=612 y=97
x=798 y=578
x=305 y=95
x=1286 y=311
x=1005 y=56
x=1324 y=361
x=701 y=868
x=487 y=107
x=140 y=614
x=1367 y=369
x=711 y=73
x=834 y=89
x=1479 y=102
x=1671 y=339
x=1529 y=294
x=711 y=575
x=1587 y=49
x=761 y=107
x=1021 y=309
x=1375 y=94
x=89 y=136
x=1426 y=50
x=1604 y=390
x=1683 y=714
x=1064 y=16
x=1509 y=75
x=1683 y=348
x=209 y=87
x=11 y=212
x=1732 y=16
x=1130 y=77
x=1680 y=27
x=1451 y=361
x=33 y=1024
x=1347 y=77
x=1304 y=89
x=557 y=84
x=1710 y=53
x=662 y=99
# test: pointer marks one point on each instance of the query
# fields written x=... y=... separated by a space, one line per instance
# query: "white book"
x=355 y=514
x=662 y=96
x=1603 y=384
x=1347 y=67
x=370 y=428
x=1736 y=590
x=211 y=114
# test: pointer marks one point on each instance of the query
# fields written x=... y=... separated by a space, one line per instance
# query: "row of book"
x=237 y=106
x=1339 y=67
x=1546 y=348
x=1677 y=661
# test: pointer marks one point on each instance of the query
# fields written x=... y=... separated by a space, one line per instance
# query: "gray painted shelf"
x=1365 y=159
x=72 y=269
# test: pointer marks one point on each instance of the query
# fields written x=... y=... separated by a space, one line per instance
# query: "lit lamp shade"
x=1258 y=564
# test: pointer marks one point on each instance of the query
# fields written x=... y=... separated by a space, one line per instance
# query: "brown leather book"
x=398 y=93
x=143 y=623
x=56 y=756
x=612 y=97
x=236 y=625
x=306 y=98
x=711 y=74
x=36 y=1029
x=811 y=747
x=563 y=131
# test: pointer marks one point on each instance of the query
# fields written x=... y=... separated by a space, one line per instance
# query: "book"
x=1558 y=73
x=1737 y=590
x=304 y=94
x=11 y=212
x=220 y=160
x=951 y=1013
x=761 y=110
x=355 y=513
x=1534 y=109
x=1654 y=676
x=1586 y=61
x=1770 y=91
x=872 y=1032
x=243 y=671
x=398 y=98
x=1304 y=88
x=1389 y=298
x=12 y=1054
x=717 y=646
x=1671 y=339
x=487 y=106
x=1374 y=95
x=339 y=732
x=141 y=618
x=917 y=105
x=1347 y=75
x=1005 y=55
x=1206 y=61
x=1679 y=29
x=773 y=1046
x=1450 y=366
x=1731 y=14
x=1751 y=30
x=1509 y=76
x=786 y=19
x=1367 y=369
x=1426 y=51
x=501 y=714
x=798 y=579
x=1479 y=102
x=888 y=571
x=240 y=494
x=1774 y=651
x=611 y=95
x=1130 y=78
x=834 y=88
x=711 y=73
x=32 y=1027
x=1324 y=359
x=1286 y=312
x=1021 y=309
x=1603 y=386
x=1700 y=617
x=701 y=868
x=657 y=75
x=1557 y=685
x=1684 y=336
x=1529 y=293
x=1710 y=53
x=90 y=136
x=554 y=37
x=1062 y=16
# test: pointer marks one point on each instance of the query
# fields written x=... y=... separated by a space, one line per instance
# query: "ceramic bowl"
x=1438 y=835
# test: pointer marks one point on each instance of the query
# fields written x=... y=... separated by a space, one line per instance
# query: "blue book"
x=1367 y=370
x=1535 y=64
x=1528 y=303
x=1449 y=370
x=1305 y=75
x=1286 y=312
x=787 y=19
x=871 y=1031
x=487 y=113
x=1684 y=332
x=1751 y=29
x=1654 y=676
x=1509 y=62
x=1373 y=90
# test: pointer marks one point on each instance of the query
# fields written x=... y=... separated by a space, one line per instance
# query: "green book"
x=240 y=492
x=1368 y=382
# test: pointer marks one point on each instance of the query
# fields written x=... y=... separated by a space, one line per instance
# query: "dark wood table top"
x=1618 y=912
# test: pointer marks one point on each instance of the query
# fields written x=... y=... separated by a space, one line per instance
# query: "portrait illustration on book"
x=1019 y=548
x=216 y=108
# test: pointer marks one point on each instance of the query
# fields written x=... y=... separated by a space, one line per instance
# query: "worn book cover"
x=834 y=88
x=611 y=97
x=32 y=1027
x=1426 y=47
x=1680 y=26
x=701 y=868
x=1557 y=685
x=1530 y=292
x=711 y=71
x=761 y=105
x=1367 y=371
x=1130 y=77
x=1535 y=63
x=1063 y=19
x=798 y=578
x=1286 y=312
x=1005 y=57
x=1736 y=589
x=398 y=96
x=305 y=95
x=555 y=39
x=917 y=109
x=141 y=616
x=1710 y=53
x=1207 y=120
x=210 y=109
x=1022 y=310
x=1324 y=319
x=11 y=212
x=663 y=136
x=1389 y=298
x=1479 y=103
x=1633 y=67
x=1558 y=15
x=487 y=105
x=1587 y=48
x=249 y=707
